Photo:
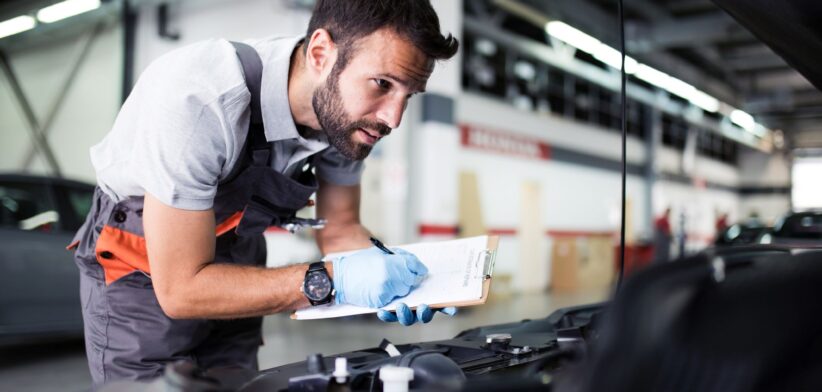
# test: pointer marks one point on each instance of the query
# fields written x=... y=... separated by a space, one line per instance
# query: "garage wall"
x=575 y=197
x=765 y=180
x=206 y=19
x=89 y=109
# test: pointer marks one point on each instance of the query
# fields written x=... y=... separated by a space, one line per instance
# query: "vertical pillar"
x=653 y=143
x=129 y=20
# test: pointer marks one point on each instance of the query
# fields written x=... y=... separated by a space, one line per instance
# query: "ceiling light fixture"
x=16 y=25
x=65 y=9
x=744 y=120
x=613 y=58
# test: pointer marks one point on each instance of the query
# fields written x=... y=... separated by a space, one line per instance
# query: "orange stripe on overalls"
x=121 y=253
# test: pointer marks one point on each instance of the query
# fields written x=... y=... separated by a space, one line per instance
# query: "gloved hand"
x=373 y=278
x=406 y=317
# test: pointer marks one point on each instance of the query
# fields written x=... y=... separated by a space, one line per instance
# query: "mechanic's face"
x=360 y=104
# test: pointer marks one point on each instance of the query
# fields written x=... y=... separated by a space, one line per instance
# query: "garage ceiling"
x=705 y=46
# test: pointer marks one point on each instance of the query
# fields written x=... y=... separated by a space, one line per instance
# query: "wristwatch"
x=317 y=285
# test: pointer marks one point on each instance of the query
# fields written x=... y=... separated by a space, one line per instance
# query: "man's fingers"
x=424 y=313
x=388 y=317
x=404 y=315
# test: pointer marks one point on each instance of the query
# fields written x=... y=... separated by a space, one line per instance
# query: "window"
x=79 y=204
x=27 y=206
x=807 y=189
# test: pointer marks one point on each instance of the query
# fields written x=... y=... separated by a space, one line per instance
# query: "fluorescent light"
x=613 y=58
x=66 y=9
x=680 y=88
x=652 y=76
x=16 y=25
x=572 y=36
x=704 y=101
x=744 y=120
x=590 y=45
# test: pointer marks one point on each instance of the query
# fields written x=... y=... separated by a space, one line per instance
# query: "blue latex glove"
x=373 y=278
x=406 y=317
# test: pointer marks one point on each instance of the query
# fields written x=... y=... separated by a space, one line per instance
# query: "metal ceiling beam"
x=48 y=32
x=807 y=138
x=690 y=6
x=657 y=14
x=13 y=8
x=788 y=78
x=755 y=62
x=45 y=127
x=690 y=32
x=750 y=49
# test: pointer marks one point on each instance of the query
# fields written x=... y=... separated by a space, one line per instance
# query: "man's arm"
x=189 y=284
x=340 y=205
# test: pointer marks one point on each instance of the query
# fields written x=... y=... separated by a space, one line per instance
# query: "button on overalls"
x=128 y=336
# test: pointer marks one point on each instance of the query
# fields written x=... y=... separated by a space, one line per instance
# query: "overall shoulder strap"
x=253 y=72
x=256 y=149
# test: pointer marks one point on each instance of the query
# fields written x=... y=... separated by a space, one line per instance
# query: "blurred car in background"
x=798 y=229
x=743 y=233
x=39 y=294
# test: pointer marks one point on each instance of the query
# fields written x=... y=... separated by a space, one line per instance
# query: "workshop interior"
x=648 y=172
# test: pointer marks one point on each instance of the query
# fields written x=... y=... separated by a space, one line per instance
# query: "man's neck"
x=300 y=92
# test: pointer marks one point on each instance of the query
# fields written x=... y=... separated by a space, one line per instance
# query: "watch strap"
x=316 y=266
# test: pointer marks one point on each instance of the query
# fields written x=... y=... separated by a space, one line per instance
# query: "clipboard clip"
x=487 y=258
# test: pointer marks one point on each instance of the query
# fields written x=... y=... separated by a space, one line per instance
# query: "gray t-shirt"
x=183 y=127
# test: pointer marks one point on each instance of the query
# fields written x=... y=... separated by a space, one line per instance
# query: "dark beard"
x=334 y=121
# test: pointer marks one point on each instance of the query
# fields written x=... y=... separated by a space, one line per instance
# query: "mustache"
x=383 y=129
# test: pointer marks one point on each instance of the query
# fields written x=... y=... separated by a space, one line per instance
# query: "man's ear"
x=321 y=53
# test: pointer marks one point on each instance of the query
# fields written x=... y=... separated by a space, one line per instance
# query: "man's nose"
x=391 y=111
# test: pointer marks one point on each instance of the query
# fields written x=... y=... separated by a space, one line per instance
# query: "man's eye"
x=382 y=83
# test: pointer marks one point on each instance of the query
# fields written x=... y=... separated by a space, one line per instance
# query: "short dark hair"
x=349 y=20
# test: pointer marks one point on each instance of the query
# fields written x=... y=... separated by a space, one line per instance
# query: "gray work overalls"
x=128 y=336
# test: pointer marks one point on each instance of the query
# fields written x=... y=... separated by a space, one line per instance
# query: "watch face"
x=317 y=286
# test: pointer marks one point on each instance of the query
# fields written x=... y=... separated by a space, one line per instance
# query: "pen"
x=380 y=246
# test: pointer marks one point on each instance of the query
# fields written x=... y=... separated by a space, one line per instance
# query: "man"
x=198 y=164
x=662 y=237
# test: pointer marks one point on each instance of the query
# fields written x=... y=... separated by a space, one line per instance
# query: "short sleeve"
x=180 y=146
x=333 y=167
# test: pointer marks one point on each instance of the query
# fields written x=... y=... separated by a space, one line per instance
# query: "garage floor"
x=62 y=366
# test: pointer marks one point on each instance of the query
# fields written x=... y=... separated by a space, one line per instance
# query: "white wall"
x=87 y=113
x=760 y=170
x=769 y=208
x=204 y=19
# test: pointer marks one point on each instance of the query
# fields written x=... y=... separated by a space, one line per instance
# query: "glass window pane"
x=80 y=203
x=27 y=206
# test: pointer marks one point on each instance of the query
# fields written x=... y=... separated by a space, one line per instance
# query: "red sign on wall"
x=502 y=142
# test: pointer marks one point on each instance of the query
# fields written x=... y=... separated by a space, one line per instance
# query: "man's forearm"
x=224 y=291
x=339 y=238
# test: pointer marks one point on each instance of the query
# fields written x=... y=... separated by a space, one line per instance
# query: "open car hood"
x=791 y=28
